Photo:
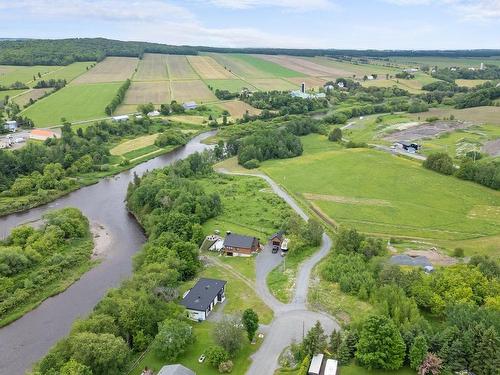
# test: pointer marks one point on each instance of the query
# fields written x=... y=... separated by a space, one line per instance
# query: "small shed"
x=331 y=367
x=189 y=105
x=277 y=238
x=120 y=118
x=428 y=269
x=153 y=113
x=175 y=370
x=11 y=125
x=315 y=366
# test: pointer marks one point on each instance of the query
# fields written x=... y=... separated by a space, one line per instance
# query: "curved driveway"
x=291 y=321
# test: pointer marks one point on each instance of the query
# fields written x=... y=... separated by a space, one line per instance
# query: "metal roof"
x=175 y=370
x=202 y=294
x=316 y=363
x=238 y=240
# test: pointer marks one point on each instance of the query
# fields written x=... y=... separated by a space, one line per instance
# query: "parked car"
x=275 y=249
x=202 y=358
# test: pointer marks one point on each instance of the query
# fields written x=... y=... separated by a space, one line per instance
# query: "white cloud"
x=465 y=9
x=293 y=5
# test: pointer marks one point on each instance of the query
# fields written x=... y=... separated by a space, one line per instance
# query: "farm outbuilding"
x=189 y=105
x=316 y=364
x=120 y=118
x=239 y=245
x=10 y=125
x=277 y=238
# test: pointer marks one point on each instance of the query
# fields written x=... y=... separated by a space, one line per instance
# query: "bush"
x=171 y=138
x=439 y=162
x=352 y=144
x=337 y=118
x=216 y=355
x=226 y=367
x=252 y=164
x=335 y=135
x=458 y=252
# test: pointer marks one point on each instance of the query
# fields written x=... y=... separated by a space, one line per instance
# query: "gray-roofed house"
x=175 y=370
x=277 y=238
x=239 y=245
x=201 y=299
x=189 y=105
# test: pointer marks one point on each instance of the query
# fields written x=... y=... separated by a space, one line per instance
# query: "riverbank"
x=54 y=267
x=10 y=205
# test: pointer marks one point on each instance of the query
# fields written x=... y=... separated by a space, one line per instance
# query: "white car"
x=202 y=358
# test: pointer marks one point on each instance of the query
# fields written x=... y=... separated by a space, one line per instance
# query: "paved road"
x=397 y=151
x=291 y=321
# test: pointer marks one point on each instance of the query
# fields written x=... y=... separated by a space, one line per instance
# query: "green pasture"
x=356 y=68
x=232 y=85
x=73 y=102
x=387 y=195
x=70 y=72
x=25 y=74
x=445 y=61
x=11 y=93
x=267 y=66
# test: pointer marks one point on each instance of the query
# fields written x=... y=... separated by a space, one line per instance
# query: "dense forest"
x=37 y=263
x=171 y=205
x=67 y=51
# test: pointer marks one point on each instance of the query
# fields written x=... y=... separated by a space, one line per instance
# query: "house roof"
x=189 y=104
x=331 y=367
x=238 y=240
x=175 y=370
x=202 y=294
x=279 y=234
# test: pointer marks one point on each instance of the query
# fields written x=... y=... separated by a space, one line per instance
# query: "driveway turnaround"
x=293 y=320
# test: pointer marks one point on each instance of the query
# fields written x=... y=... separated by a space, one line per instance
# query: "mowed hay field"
x=70 y=72
x=470 y=82
x=152 y=67
x=477 y=115
x=208 y=68
x=248 y=66
x=34 y=94
x=387 y=195
x=233 y=85
x=266 y=84
x=111 y=69
x=238 y=108
x=445 y=61
x=134 y=144
x=179 y=68
x=24 y=74
x=306 y=67
x=73 y=102
x=196 y=90
x=359 y=69
x=148 y=92
x=311 y=82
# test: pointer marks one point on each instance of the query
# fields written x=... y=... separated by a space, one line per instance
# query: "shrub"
x=458 y=252
x=226 y=367
x=216 y=355
x=335 y=135
x=439 y=162
x=251 y=164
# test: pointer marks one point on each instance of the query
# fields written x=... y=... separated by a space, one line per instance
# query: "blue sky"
x=355 y=24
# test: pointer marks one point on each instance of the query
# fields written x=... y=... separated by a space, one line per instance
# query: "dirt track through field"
x=347 y=200
x=111 y=69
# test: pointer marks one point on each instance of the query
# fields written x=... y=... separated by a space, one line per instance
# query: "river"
x=27 y=339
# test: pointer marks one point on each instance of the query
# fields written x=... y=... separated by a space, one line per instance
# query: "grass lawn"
x=203 y=333
x=281 y=280
x=134 y=144
x=268 y=66
x=368 y=129
x=249 y=206
x=232 y=85
x=73 y=102
x=386 y=195
x=353 y=369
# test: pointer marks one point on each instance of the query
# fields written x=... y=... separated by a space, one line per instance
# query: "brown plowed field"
x=111 y=69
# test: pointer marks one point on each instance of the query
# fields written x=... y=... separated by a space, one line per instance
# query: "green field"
x=386 y=195
x=70 y=72
x=446 y=61
x=73 y=102
x=233 y=85
x=268 y=66
x=11 y=93
x=359 y=69
x=25 y=74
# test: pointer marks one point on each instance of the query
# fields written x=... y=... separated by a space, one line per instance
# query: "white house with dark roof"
x=201 y=299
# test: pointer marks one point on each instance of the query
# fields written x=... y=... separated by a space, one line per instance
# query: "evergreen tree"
x=418 y=352
x=315 y=340
x=486 y=357
x=380 y=344
x=335 y=341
